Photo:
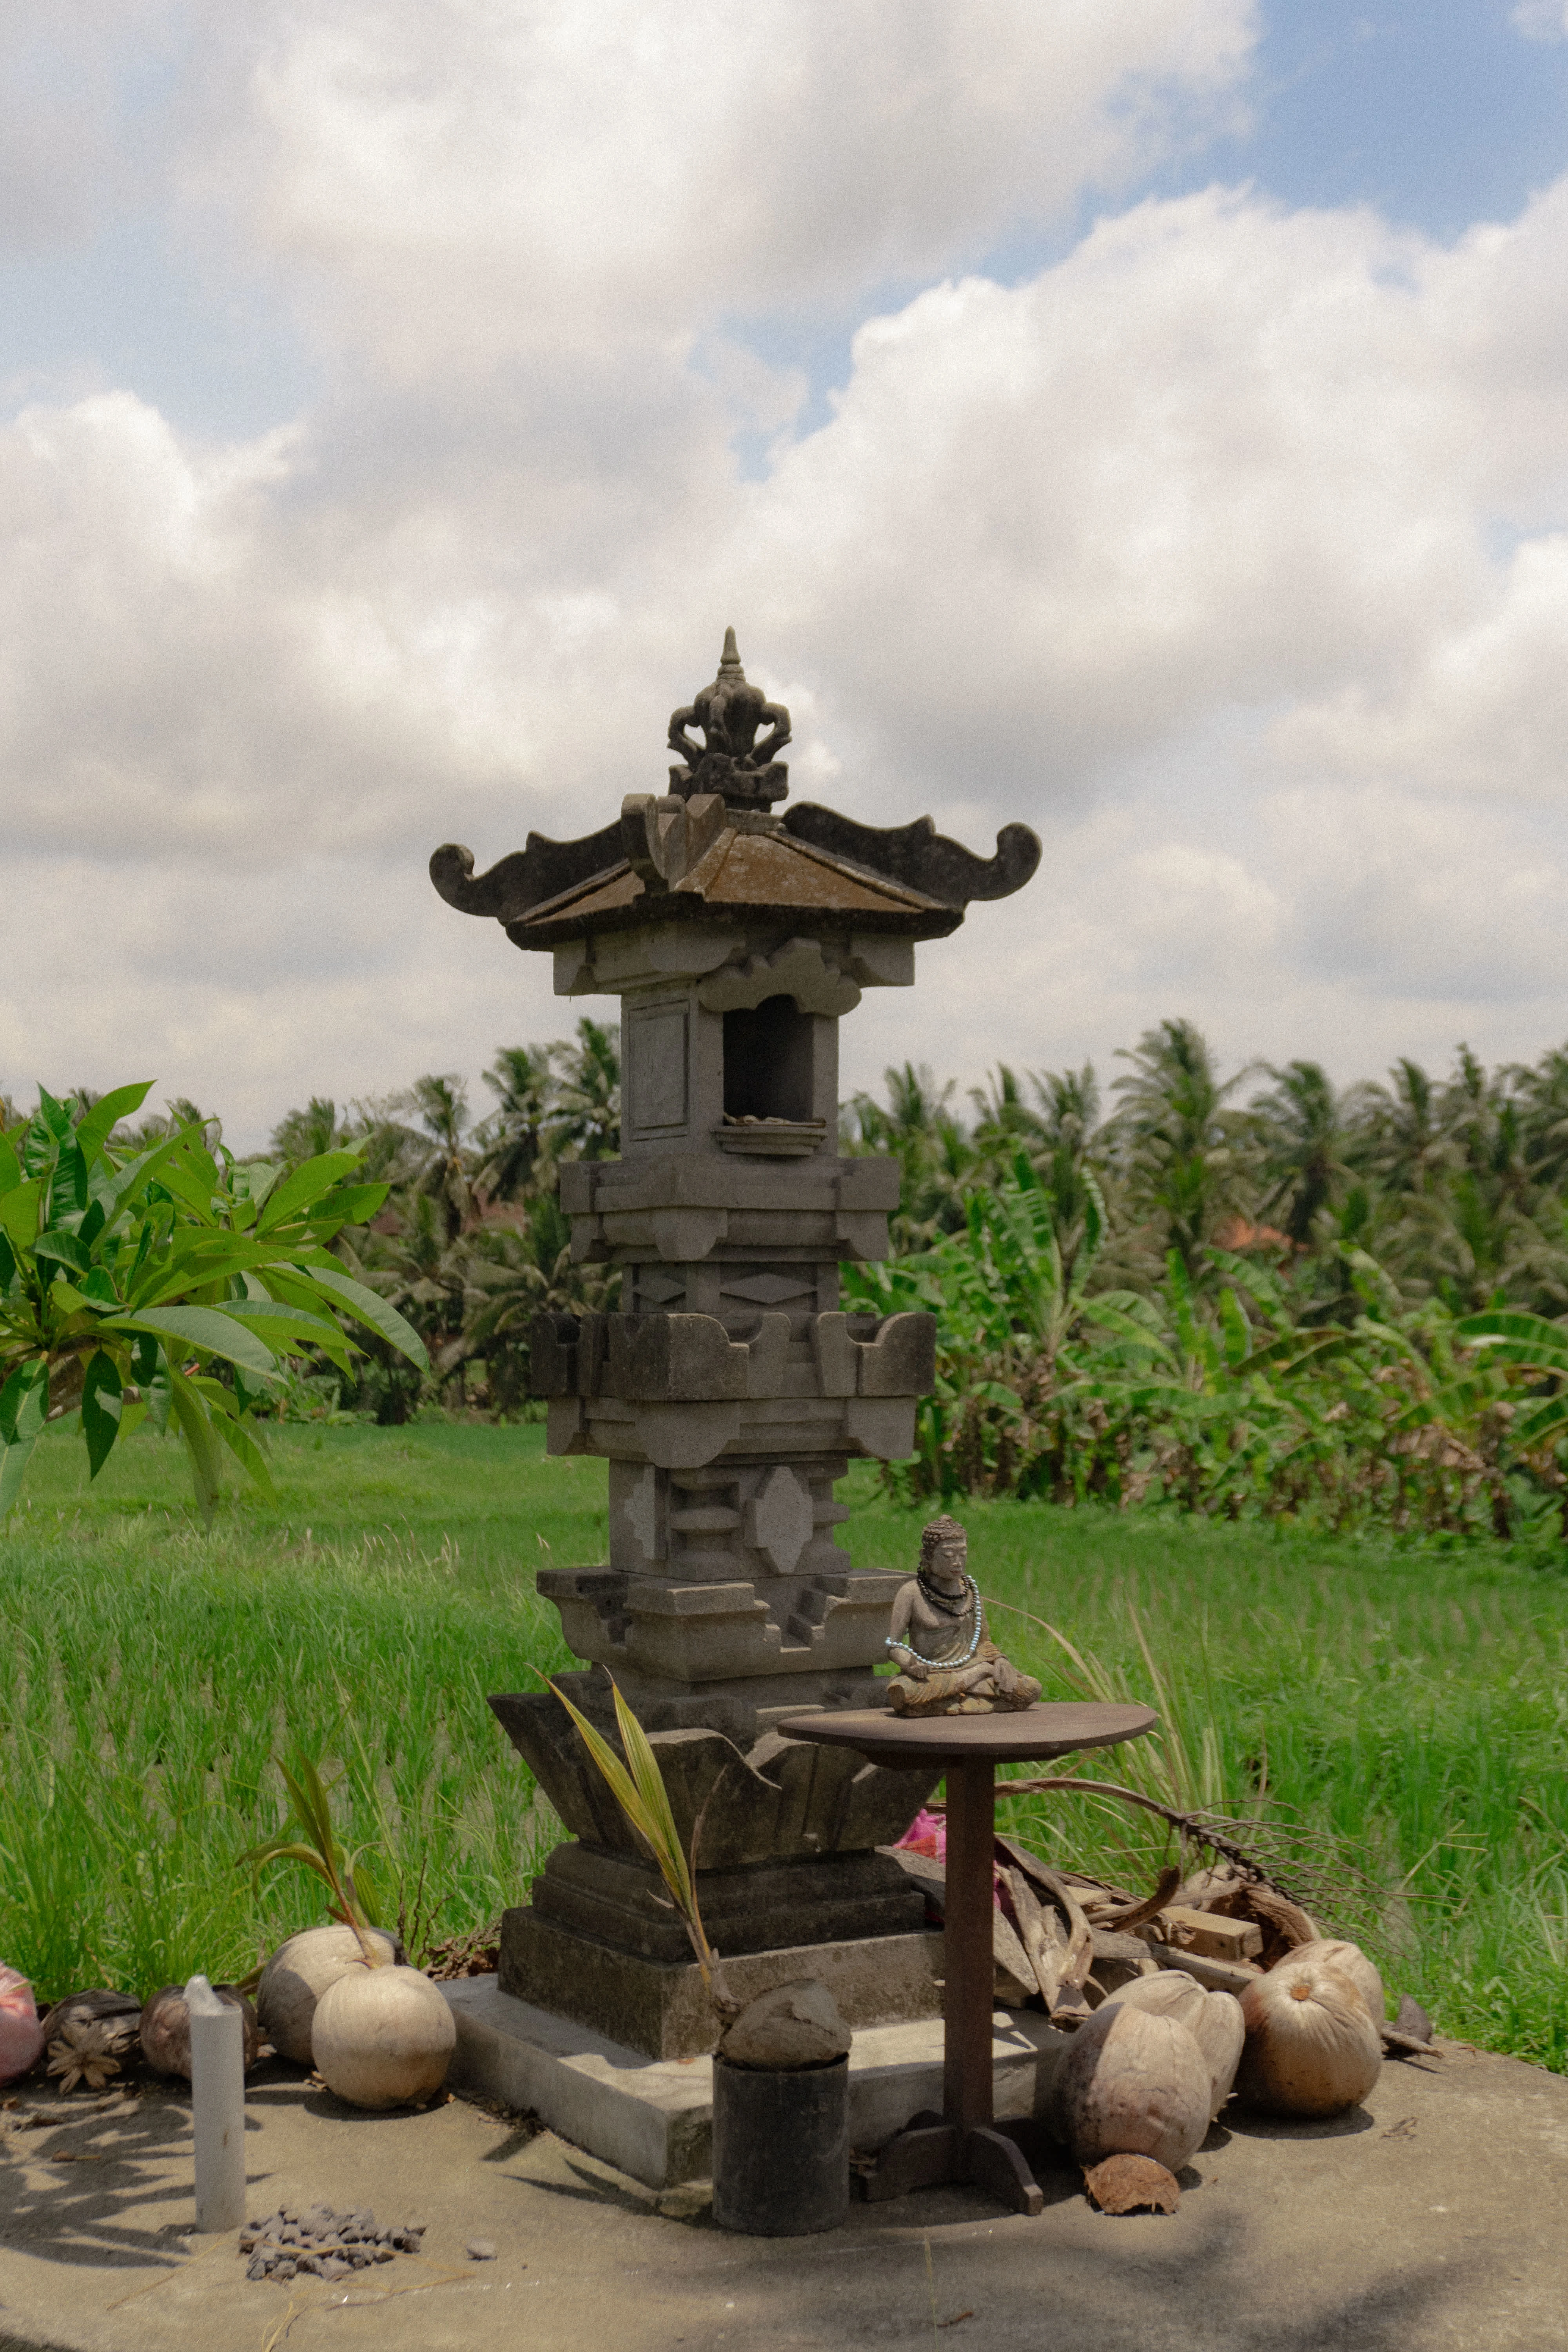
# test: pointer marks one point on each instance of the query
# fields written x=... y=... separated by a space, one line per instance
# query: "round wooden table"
x=965 y=2143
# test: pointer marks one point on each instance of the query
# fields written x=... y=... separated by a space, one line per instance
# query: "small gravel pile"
x=314 y=2239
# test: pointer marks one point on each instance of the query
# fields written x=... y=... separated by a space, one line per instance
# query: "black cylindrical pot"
x=781 y=2149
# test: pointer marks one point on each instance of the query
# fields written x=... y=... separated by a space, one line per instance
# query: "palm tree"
x=441 y=1107
x=306 y=1134
x=1180 y=1144
x=1402 y=1138
x=1542 y=1094
x=935 y=1157
x=512 y=1137
x=584 y=1120
x=1302 y=1126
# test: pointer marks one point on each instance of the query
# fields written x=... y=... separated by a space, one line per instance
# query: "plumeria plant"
x=129 y=1277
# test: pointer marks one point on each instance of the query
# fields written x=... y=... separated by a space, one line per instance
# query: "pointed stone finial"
x=730 y=759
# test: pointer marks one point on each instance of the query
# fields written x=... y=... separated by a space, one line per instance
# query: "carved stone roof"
x=710 y=850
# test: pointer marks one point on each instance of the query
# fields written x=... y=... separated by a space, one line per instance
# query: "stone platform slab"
x=652 y=2117
x=661 y=2009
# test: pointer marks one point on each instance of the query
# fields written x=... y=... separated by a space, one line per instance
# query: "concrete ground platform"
x=652 y=2117
x=1431 y=2221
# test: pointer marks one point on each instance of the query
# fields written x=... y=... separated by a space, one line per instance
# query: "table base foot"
x=998 y=2164
x=931 y=2154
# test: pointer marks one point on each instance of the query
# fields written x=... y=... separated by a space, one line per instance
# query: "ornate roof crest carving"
x=730 y=759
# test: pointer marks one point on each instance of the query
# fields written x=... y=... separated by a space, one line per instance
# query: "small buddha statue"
x=947 y=1662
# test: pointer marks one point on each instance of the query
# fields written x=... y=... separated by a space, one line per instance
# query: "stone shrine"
x=732 y=1390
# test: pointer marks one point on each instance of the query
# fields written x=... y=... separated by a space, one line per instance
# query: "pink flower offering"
x=927 y=1834
x=21 y=2035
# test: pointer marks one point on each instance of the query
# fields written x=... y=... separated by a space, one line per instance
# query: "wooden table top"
x=917 y=1742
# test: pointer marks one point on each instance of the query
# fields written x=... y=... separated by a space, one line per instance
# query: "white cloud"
x=1229 y=548
x=468 y=182
x=1541 y=20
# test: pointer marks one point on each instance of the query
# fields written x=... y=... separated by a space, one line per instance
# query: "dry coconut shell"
x=794 y=2024
x=1132 y=2184
x=1213 y=2019
x=97 y=2004
x=1132 y=2084
x=300 y=1972
x=382 y=2037
x=1354 y=1961
x=166 y=2029
x=1311 y=2047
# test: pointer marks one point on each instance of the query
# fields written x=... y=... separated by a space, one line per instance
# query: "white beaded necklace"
x=942 y=1666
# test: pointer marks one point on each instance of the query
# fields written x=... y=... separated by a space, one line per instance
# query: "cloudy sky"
x=1145 y=417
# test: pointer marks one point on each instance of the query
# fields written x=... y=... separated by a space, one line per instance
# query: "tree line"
x=1252 y=1292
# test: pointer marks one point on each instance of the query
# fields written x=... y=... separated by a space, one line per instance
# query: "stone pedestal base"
x=620 y=1900
x=651 y=2117
x=661 y=2008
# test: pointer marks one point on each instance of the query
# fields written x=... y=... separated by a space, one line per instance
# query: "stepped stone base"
x=621 y=1901
x=661 y=2009
x=653 y=2120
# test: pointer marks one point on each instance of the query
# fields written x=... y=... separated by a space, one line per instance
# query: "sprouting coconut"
x=301 y=1971
x=382 y=2037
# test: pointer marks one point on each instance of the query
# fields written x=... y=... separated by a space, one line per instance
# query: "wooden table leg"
x=963 y=2146
x=967 y=1945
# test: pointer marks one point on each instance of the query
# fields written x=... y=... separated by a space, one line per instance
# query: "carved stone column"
x=731 y=1392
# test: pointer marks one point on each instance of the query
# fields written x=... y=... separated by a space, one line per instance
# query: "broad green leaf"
x=195 y=1427
x=307 y=1182
x=206 y=1329
x=94 y=1127
x=368 y=1308
x=237 y=1436
x=102 y=1405
x=1238 y=1329
x=10 y=1167
x=65 y=1249
x=190 y=1188
x=23 y=1408
x=352 y=1205
x=19 y=1211
x=132 y=1181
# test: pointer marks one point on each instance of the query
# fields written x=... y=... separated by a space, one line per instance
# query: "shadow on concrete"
x=77 y=2181
x=1134 y=2285
x=1251 y=2123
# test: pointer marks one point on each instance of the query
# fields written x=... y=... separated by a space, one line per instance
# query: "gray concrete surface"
x=1432 y=2218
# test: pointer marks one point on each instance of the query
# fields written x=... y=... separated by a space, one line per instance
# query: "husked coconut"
x=21 y=2029
x=794 y=2024
x=1132 y=2084
x=1311 y=2047
x=1169 y=1992
x=1354 y=1964
x=1213 y=2019
x=381 y=2037
x=300 y=1972
x=166 y=2029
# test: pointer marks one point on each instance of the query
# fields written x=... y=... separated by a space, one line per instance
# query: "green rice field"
x=1400 y=1710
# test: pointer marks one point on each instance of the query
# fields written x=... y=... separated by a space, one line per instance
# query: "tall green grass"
x=1406 y=1706
x=152 y=1677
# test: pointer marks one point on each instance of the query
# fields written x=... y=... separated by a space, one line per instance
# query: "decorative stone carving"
x=799 y=969
x=779 y=1523
x=730 y=759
